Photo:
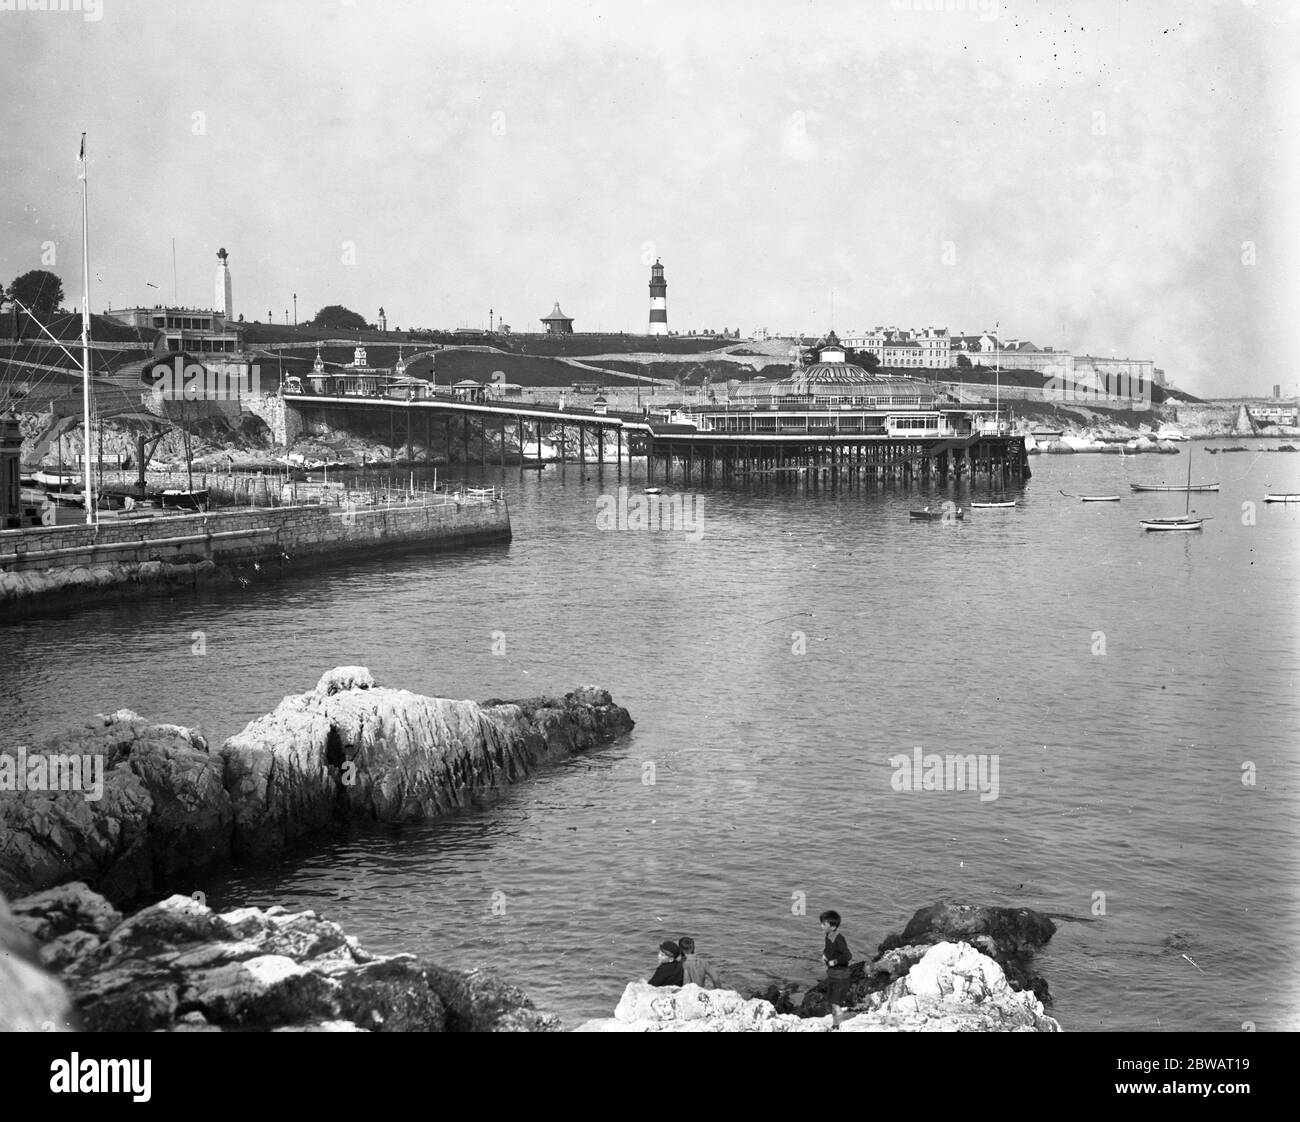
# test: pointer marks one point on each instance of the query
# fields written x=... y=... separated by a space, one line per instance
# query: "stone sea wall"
x=125 y=557
x=170 y=808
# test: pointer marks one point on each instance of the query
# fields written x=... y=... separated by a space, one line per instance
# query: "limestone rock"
x=180 y=966
x=1013 y=936
x=951 y=988
x=30 y=999
x=1009 y=936
x=349 y=749
x=169 y=809
x=162 y=813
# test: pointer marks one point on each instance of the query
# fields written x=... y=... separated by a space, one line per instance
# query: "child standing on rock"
x=837 y=957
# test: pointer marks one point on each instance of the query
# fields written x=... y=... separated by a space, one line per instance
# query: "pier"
x=876 y=439
x=819 y=460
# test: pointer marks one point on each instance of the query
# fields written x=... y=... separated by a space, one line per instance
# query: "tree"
x=339 y=317
x=868 y=360
x=39 y=290
x=963 y=362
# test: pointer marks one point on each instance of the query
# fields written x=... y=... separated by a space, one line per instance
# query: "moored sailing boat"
x=1186 y=522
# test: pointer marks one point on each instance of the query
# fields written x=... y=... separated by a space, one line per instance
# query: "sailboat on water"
x=1186 y=522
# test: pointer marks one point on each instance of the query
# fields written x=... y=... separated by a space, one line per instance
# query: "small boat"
x=54 y=479
x=1099 y=498
x=928 y=515
x=1186 y=522
x=993 y=506
x=531 y=467
x=1172 y=523
x=1199 y=488
x=652 y=490
x=1282 y=498
x=176 y=498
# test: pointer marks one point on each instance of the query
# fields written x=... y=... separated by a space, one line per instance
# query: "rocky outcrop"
x=30 y=999
x=166 y=809
x=952 y=987
x=1009 y=936
x=150 y=807
x=350 y=749
x=180 y=966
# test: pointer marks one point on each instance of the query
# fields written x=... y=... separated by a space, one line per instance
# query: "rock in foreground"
x=180 y=966
x=1009 y=936
x=155 y=810
x=952 y=988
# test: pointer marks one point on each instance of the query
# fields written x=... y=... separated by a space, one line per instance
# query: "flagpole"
x=85 y=338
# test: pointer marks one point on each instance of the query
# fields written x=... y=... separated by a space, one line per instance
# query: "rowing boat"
x=1099 y=498
x=1282 y=498
x=1172 y=523
x=928 y=515
x=992 y=506
x=1200 y=487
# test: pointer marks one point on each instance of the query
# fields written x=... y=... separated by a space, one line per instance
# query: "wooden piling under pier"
x=691 y=458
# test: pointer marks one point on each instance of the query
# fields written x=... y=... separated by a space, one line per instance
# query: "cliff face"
x=168 y=808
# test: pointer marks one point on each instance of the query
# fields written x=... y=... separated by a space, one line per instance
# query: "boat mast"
x=85 y=339
x=1187 y=506
x=997 y=376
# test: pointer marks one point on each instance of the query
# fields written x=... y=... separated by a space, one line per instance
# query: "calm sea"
x=1137 y=692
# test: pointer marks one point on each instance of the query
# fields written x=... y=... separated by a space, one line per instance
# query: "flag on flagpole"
x=81 y=157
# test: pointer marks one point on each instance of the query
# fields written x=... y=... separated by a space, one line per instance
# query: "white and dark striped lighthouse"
x=658 y=300
x=223 y=303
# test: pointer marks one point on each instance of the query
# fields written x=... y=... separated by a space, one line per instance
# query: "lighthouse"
x=658 y=300
x=222 y=303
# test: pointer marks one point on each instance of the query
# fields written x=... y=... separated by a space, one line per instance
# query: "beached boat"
x=1282 y=498
x=177 y=498
x=46 y=478
x=929 y=515
x=1199 y=488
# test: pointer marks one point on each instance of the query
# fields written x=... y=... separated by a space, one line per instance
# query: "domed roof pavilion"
x=830 y=369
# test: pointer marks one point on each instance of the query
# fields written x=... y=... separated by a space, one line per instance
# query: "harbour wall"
x=60 y=565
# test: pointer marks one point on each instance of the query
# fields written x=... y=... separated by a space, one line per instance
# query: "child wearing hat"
x=669 y=971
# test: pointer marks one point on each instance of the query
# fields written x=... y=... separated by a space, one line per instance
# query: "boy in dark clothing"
x=837 y=958
x=669 y=971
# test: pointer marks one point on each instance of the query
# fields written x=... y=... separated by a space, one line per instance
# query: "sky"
x=1113 y=178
